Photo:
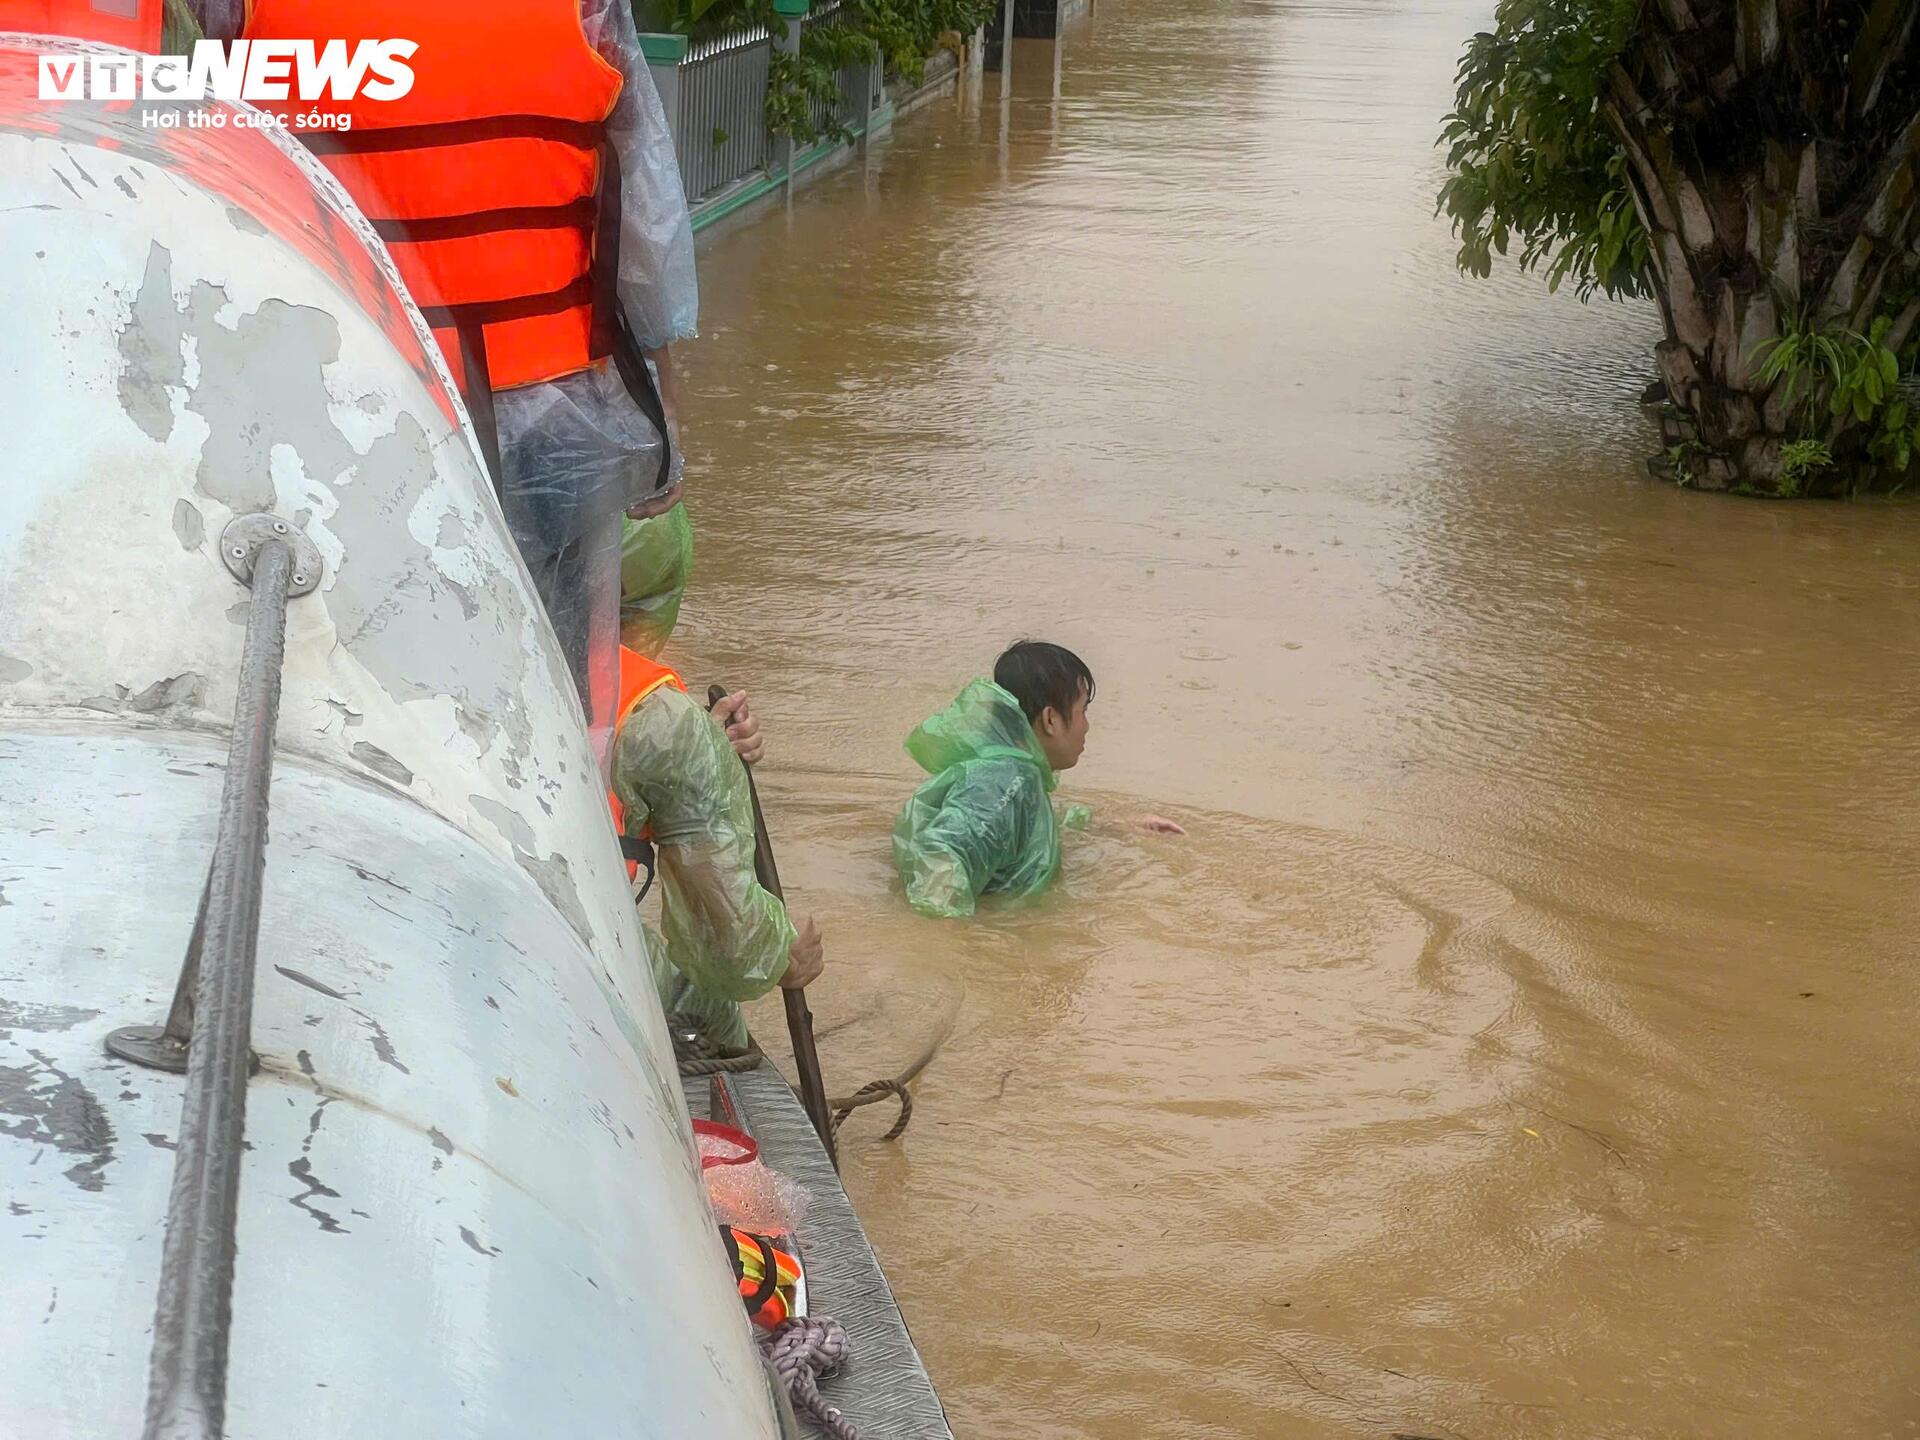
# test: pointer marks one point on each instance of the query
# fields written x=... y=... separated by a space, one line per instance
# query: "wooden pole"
x=806 y=1056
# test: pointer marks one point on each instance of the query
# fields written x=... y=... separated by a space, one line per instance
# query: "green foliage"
x=1681 y=458
x=907 y=31
x=678 y=17
x=1799 y=460
x=1851 y=379
x=1531 y=160
x=792 y=87
x=796 y=83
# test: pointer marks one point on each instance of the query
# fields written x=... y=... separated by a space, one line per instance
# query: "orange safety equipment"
x=134 y=24
x=491 y=179
x=639 y=678
x=769 y=1276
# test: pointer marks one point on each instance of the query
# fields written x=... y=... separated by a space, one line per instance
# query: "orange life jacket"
x=134 y=24
x=487 y=179
x=639 y=678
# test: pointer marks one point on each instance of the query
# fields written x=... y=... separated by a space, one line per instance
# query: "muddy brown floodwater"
x=1522 y=1045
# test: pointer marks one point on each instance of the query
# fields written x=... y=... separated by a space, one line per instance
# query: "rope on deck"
x=697 y=1056
x=801 y=1350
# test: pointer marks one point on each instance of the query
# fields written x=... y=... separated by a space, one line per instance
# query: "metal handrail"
x=210 y=1023
x=187 y=1385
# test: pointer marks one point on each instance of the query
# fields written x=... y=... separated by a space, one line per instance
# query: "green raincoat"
x=984 y=821
x=724 y=938
x=656 y=561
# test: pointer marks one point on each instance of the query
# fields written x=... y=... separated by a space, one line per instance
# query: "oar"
x=806 y=1058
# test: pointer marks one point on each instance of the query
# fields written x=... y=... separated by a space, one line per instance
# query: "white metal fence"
x=716 y=97
x=720 y=133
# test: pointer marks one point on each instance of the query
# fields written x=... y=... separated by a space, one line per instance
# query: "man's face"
x=1063 y=738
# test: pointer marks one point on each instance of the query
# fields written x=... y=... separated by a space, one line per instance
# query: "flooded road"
x=1522 y=1043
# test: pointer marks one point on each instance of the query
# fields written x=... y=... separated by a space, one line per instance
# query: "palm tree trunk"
x=1750 y=228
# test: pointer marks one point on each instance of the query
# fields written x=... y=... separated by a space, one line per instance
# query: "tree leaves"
x=1577 y=123
x=1529 y=157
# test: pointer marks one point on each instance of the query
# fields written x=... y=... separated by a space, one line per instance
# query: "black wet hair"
x=1038 y=675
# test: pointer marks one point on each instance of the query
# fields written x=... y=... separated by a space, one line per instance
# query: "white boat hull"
x=470 y=1205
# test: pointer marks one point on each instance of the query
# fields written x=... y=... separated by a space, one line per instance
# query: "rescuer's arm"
x=658 y=293
x=725 y=933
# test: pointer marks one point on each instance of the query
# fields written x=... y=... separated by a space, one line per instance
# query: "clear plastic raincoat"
x=723 y=939
x=578 y=451
x=984 y=820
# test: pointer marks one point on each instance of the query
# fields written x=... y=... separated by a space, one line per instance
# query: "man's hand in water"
x=1159 y=825
x=743 y=731
x=806 y=959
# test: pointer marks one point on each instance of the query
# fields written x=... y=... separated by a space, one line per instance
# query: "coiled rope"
x=699 y=1056
x=801 y=1350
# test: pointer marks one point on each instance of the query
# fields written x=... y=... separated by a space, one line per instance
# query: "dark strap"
x=605 y=323
x=478 y=392
x=639 y=852
x=609 y=327
x=570 y=296
x=637 y=375
x=575 y=214
x=769 y=1267
x=586 y=134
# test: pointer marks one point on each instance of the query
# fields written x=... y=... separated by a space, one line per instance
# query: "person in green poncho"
x=984 y=821
x=677 y=773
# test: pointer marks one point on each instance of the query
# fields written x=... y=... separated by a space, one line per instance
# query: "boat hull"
x=470 y=1204
x=455 y=1210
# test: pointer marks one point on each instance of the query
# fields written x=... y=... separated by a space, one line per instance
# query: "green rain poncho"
x=725 y=939
x=656 y=561
x=984 y=820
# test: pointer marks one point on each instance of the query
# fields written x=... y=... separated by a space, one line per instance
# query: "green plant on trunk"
x=1800 y=460
x=1754 y=166
x=1682 y=461
x=1842 y=381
